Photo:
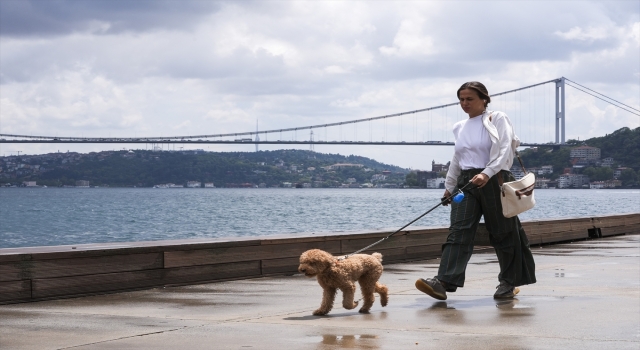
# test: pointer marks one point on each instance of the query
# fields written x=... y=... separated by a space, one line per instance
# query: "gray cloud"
x=170 y=67
x=45 y=18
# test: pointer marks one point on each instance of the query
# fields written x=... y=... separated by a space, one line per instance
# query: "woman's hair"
x=477 y=87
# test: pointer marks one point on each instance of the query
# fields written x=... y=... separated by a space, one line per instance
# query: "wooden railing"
x=41 y=273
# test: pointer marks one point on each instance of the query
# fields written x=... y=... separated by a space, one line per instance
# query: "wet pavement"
x=587 y=297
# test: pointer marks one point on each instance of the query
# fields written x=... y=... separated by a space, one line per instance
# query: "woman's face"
x=471 y=102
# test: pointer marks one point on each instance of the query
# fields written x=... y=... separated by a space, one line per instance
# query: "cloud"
x=147 y=67
x=29 y=18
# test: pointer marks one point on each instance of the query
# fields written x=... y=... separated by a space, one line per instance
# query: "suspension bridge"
x=537 y=111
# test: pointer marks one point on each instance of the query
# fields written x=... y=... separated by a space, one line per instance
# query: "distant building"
x=607 y=162
x=618 y=172
x=29 y=183
x=209 y=185
x=82 y=183
x=612 y=183
x=517 y=172
x=573 y=181
x=378 y=177
x=439 y=167
x=194 y=184
x=586 y=152
x=541 y=182
x=436 y=182
x=545 y=170
x=346 y=165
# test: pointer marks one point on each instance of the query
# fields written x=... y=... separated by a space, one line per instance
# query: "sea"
x=66 y=216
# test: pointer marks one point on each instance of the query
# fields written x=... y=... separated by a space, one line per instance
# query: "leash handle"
x=442 y=201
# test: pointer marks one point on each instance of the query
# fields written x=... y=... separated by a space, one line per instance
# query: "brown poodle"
x=334 y=274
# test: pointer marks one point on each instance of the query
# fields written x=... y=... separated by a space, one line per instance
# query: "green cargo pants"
x=505 y=234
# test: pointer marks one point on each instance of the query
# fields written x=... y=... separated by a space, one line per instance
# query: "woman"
x=484 y=149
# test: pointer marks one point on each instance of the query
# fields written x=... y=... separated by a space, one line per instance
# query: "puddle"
x=347 y=341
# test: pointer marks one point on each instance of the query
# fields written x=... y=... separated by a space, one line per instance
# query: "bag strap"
x=520 y=160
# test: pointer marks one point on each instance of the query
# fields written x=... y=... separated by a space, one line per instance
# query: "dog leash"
x=442 y=201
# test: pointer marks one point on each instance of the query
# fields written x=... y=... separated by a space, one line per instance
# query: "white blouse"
x=473 y=143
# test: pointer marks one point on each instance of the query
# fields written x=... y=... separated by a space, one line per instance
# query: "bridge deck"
x=587 y=297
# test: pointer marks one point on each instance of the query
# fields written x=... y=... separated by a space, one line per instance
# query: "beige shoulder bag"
x=517 y=196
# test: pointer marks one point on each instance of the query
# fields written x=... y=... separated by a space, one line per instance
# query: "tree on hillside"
x=629 y=177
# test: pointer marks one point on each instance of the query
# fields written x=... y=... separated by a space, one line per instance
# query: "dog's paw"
x=363 y=311
x=320 y=312
x=350 y=307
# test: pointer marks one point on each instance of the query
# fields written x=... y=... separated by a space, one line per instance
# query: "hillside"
x=623 y=145
x=230 y=169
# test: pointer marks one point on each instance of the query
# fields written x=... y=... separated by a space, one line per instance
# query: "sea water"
x=61 y=216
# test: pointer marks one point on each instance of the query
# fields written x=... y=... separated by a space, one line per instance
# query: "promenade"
x=587 y=297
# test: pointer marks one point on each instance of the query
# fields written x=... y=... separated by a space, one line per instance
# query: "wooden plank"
x=15 y=271
x=29 y=269
x=426 y=238
x=633 y=219
x=206 y=273
x=280 y=266
x=94 y=265
x=91 y=284
x=618 y=230
x=581 y=224
x=550 y=226
x=534 y=239
x=8 y=257
x=15 y=291
x=423 y=252
x=247 y=253
x=608 y=221
x=564 y=236
x=389 y=255
x=351 y=245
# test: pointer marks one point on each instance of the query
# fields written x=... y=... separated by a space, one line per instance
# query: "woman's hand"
x=447 y=194
x=480 y=180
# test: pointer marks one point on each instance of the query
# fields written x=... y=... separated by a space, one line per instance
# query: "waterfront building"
x=586 y=152
x=612 y=183
x=437 y=182
x=29 y=183
x=573 y=181
x=194 y=184
x=82 y=183
x=209 y=185
x=541 y=182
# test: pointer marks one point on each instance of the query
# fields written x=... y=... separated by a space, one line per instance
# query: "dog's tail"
x=377 y=256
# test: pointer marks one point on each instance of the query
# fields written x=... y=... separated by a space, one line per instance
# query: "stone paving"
x=587 y=297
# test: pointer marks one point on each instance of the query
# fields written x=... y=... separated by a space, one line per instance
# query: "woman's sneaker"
x=432 y=287
x=505 y=291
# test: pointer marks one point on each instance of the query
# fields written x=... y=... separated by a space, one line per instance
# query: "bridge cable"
x=609 y=102
x=600 y=94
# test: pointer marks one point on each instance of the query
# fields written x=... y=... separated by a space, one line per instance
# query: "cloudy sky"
x=163 y=68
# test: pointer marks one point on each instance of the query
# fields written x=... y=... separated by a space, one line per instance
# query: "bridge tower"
x=560 y=111
x=257 y=136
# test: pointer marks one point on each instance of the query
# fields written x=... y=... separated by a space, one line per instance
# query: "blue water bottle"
x=458 y=197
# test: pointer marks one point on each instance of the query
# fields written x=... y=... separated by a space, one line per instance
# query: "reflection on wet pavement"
x=349 y=341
